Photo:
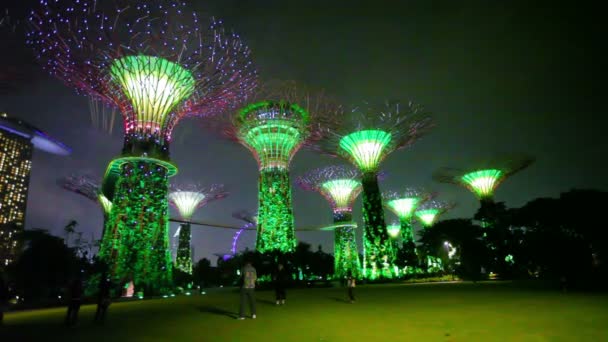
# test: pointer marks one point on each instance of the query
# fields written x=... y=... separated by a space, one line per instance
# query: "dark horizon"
x=498 y=78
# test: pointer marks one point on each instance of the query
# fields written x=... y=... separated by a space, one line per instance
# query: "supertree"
x=281 y=118
x=156 y=62
x=403 y=204
x=427 y=214
x=186 y=199
x=373 y=133
x=340 y=186
x=429 y=211
x=89 y=187
x=250 y=220
x=484 y=178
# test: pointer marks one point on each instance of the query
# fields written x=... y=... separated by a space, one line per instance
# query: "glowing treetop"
x=404 y=203
x=429 y=211
x=340 y=185
x=87 y=186
x=393 y=230
x=186 y=199
x=484 y=179
x=155 y=60
x=375 y=131
x=282 y=117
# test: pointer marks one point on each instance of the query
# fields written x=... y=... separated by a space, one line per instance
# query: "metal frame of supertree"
x=429 y=211
x=374 y=132
x=87 y=186
x=281 y=118
x=156 y=61
x=250 y=220
x=186 y=199
x=340 y=185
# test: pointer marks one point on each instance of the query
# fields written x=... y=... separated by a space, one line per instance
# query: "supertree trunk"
x=183 y=259
x=378 y=248
x=346 y=255
x=136 y=237
x=275 y=230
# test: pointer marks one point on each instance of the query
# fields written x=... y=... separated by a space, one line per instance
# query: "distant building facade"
x=17 y=142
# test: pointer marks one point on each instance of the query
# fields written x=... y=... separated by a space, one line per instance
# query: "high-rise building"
x=17 y=141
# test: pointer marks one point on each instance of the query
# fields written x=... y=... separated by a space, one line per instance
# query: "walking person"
x=249 y=277
x=75 y=294
x=281 y=278
x=103 y=299
x=351 y=283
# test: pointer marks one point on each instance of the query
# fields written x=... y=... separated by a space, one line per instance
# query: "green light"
x=183 y=258
x=403 y=207
x=483 y=182
x=393 y=230
x=136 y=236
x=428 y=216
x=366 y=147
x=342 y=191
x=105 y=203
x=275 y=230
x=274 y=142
x=154 y=86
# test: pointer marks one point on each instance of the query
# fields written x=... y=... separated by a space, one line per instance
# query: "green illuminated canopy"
x=342 y=192
x=273 y=132
x=428 y=216
x=403 y=207
x=186 y=202
x=154 y=86
x=393 y=230
x=483 y=182
x=366 y=148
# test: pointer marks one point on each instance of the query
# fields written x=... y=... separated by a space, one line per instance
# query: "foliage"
x=45 y=267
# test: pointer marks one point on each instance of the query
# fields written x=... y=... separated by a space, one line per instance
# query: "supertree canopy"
x=87 y=186
x=340 y=186
x=373 y=133
x=186 y=199
x=156 y=61
x=483 y=179
x=281 y=118
x=403 y=205
x=429 y=211
x=394 y=230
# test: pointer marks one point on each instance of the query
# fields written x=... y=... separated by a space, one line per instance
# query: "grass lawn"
x=417 y=312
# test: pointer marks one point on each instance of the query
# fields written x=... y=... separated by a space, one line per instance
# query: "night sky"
x=498 y=78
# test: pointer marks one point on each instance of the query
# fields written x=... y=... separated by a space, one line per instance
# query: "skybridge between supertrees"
x=187 y=199
x=372 y=134
x=156 y=62
x=340 y=185
x=281 y=119
x=483 y=179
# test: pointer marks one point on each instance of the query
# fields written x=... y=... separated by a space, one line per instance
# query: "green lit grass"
x=422 y=312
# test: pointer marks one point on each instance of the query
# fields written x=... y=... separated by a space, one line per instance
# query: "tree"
x=45 y=266
x=463 y=235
